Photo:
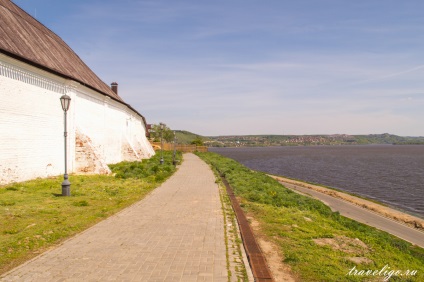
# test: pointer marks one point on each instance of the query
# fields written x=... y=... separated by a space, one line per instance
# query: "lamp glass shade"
x=65 y=100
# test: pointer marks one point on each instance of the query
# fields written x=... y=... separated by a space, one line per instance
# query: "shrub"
x=146 y=168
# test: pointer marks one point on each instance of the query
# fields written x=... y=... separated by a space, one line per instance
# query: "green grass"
x=186 y=137
x=292 y=221
x=34 y=216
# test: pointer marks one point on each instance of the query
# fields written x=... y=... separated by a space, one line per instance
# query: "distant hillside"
x=305 y=140
x=186 y=137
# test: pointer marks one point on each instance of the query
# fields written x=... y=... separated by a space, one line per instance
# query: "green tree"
x=198 y=141
x=167 y=133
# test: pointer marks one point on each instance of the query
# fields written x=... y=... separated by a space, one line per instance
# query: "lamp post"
x=65 y=101
x=161 y=142
x=174 y=161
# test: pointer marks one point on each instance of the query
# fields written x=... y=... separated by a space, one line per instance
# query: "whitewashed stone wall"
x=100 y=130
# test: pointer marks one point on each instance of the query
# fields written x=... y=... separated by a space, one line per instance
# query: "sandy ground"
x=410 y=220
x=274 y=257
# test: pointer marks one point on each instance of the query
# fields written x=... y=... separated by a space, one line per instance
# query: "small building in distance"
x=36 y=68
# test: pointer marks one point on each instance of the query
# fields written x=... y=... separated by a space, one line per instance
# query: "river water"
x=390 y=174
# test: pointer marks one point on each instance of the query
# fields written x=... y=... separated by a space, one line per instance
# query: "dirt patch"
x=274 y=258
x=360 y=260
x=344 y=244
x=410 y=220
x=347 y=245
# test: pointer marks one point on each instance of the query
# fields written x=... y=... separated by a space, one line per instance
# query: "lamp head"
x=65 y=101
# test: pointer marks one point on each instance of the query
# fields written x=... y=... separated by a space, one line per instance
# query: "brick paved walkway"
x=175 y=234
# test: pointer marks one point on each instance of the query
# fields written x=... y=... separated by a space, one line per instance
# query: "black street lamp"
x=65 y=101
x=161 y=142
x=174 y=161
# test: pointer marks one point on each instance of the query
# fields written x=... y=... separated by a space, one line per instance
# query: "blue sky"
x=223 y=67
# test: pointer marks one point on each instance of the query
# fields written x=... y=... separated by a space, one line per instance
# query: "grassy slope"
x=186 y=137
x=33 y=216
x=284 y=218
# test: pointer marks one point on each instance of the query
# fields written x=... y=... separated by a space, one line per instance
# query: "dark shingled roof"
x=24 y=38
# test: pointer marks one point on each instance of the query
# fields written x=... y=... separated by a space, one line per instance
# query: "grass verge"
x=233 y=243
x=34 y=216
x=318 y=244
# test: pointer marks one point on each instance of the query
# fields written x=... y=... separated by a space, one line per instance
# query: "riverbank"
x=313 y=243
x=399 y=216
x=388 y=174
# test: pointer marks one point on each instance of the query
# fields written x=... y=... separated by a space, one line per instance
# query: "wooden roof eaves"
x=29 y=62
x=40 y=38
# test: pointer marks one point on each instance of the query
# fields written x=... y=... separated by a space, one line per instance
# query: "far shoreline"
x=313 y=145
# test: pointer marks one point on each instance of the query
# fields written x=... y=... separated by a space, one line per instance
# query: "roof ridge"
x=32 y=41
x=49 y=34
x=31 y=18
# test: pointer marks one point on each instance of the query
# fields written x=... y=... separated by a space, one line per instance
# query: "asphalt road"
x=364 y=216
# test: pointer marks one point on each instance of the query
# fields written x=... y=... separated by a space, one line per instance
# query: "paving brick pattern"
x=175 y=234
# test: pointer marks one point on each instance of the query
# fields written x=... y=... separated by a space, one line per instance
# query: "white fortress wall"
x=111 y=126
x=31 y=123
x=31 y=126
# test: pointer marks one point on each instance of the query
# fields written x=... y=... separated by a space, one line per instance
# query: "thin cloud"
x=384 y=77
